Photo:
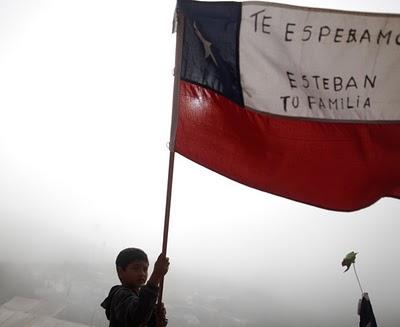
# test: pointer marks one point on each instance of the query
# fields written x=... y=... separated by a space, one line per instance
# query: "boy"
x=133 y=303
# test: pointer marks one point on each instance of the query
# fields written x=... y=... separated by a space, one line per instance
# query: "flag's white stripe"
x=320 y=64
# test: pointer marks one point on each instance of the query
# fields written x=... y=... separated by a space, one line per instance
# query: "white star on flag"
x=206 y=44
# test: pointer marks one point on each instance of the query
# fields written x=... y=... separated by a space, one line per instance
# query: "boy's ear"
x=119 y=270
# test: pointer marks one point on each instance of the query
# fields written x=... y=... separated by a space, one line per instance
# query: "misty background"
x=85 y=107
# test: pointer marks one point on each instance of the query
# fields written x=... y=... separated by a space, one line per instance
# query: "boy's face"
x=134 y=275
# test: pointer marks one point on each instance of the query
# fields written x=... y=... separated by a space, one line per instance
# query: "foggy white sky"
x=85 y=105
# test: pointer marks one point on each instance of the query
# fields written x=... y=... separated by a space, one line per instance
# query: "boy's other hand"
x=160 y=269
x=161 y=319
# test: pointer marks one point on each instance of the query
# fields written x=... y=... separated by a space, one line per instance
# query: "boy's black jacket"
x=126 y=308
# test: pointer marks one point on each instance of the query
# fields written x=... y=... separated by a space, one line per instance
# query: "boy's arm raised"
x=160 y=269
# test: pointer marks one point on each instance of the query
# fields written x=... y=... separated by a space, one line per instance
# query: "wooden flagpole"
x=178 y=19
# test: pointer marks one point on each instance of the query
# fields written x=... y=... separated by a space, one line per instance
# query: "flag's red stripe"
x=340 y=166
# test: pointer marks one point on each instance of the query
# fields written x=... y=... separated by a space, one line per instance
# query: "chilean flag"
x=299 y=102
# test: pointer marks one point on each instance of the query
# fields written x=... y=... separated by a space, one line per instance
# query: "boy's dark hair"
x=126 y=256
